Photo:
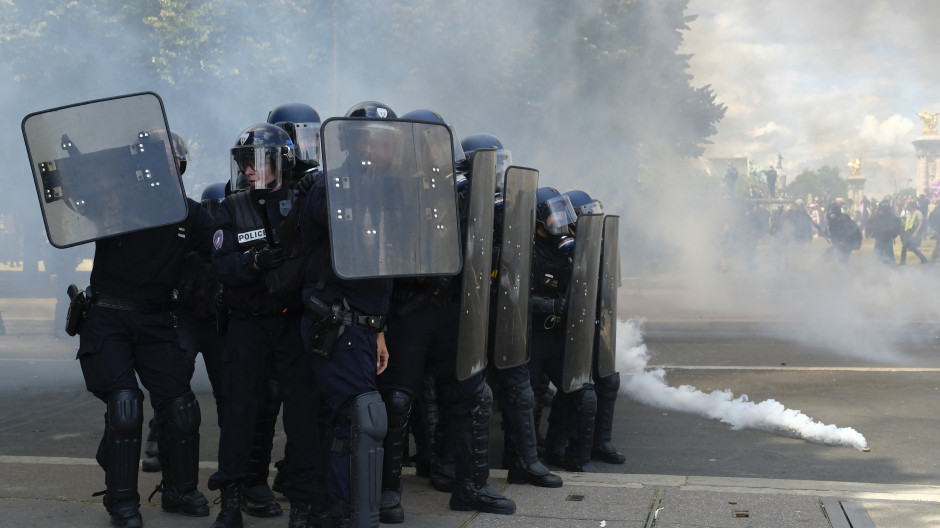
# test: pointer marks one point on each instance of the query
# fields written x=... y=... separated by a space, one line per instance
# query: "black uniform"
x=262 y=341
x=346 y=368
x=551 y=274
x=129 y=330
x=423 y=326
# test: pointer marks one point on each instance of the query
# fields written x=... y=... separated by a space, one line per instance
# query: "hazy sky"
x=819 y=82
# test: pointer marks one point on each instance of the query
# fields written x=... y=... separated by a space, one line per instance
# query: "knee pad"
x=182 y=414
x=586 y=402
x=607 y=387
x=519 y=396
x=368 y=422
x=397 y=407
x=125 y=412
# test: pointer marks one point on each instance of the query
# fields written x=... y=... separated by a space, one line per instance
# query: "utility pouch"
x=78 y=307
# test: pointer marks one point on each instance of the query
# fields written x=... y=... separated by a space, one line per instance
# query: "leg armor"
x=426 y=420
x=607 y=389
x=398 y=406
x=469 y=422
x=179 y=456
x=368 y=423
x=122 y=451
x=517 y=403
x=556 y=438
x=581 y=418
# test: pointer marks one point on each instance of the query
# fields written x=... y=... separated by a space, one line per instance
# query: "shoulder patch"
x=217 y=239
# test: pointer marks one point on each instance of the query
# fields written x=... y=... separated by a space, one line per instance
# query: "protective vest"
x=250 y=231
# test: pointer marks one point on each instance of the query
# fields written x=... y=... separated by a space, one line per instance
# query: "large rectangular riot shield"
x=582 y=303
x=606 y=344
x=104 y=168
x=511 y=347
x=478 y=262
x=391 y=197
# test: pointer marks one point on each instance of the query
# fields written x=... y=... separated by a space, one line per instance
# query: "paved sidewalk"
x=56 y=492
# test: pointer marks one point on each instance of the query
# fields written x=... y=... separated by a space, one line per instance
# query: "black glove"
x=269 y=258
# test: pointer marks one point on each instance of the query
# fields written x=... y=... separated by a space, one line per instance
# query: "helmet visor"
x=557 y=215
x=256 y=168
x=307 y=142
x=595 y=207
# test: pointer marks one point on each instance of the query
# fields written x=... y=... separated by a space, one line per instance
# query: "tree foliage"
x=824 y=182
x=597 y=80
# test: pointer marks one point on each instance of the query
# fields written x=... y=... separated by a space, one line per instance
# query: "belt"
x=134 y=306
x=366 y=322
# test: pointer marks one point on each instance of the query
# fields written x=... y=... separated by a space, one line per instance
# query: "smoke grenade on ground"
x=649 y=387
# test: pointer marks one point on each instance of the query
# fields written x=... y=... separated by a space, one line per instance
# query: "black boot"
x=299 y=514
x=397 y=407
x=521 y=454
x=124 y=513
x=603 y=450
x=390 y=510
x=259 y=501
x=470 y=429
x=179 y=458
x=257 y=497
x=230 y=515
x=151 y=461
x=120 y=453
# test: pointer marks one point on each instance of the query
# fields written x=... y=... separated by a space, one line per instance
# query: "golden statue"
x=856 y=166
x=930 y=122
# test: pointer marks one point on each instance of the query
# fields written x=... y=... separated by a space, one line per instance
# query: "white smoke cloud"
x=650 y=387
x=823 y=70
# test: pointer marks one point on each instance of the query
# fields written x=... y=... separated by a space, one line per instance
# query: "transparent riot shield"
x=606 y=344
x=582 y=303
x=104 y=168
x=511 y=347
x=391 y=197
x=478 y=263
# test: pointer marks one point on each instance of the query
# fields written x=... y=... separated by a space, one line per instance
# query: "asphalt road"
x=45 y=411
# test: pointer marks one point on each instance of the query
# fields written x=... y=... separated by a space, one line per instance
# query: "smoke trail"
x=650 y=387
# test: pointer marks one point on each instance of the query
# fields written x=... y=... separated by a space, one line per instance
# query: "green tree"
x=824 y=182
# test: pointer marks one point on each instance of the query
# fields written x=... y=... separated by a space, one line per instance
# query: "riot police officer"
x=551 y=275
x=517 y=400
x=302 y=124
x=423 y=334
x=130 y=330
x=197 y=315
x=606 y=387
x=258 y=261
x=348 y=346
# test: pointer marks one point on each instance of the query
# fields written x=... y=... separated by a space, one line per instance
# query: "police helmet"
x=260 y=156
x=584 y=204
x=433 y=117
x=372 y=110
x=302 y=123
x=213 y=196
x=553 y=211
x=180 y=151
x=173 y=141
x=475 y=142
